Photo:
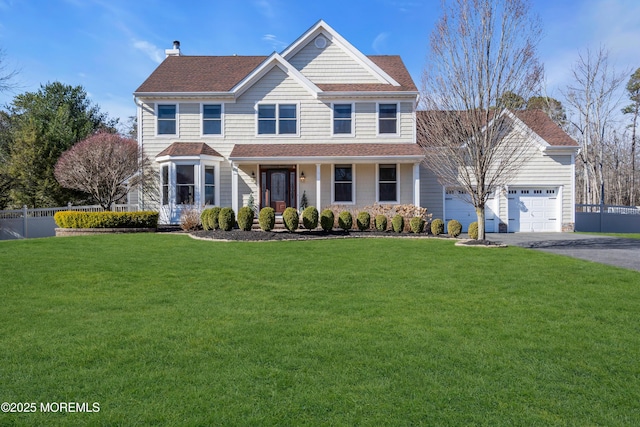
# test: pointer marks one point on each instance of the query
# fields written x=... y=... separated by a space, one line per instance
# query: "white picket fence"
x=29 y=223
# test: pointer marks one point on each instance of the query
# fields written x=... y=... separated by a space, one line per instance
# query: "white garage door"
x=458 y=207
x=533 y=209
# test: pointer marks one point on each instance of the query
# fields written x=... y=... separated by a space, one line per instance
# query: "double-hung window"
x=387 y=183
x=277 y=119
x=388 y=118
x=343 y=183
x=185 y=184
x=165 y=184
x=209 y=185
x=342 y=119
x=167 y=119
x=212 y=119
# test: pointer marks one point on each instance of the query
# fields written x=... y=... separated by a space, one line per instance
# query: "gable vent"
x=320 y=42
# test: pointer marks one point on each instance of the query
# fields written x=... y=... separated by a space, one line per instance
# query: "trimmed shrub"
x=291 y=219
x=76 y=219
x=397 y=223
x=417 y=224
x=437 y=226
x=245 y=218
x=226 y=219
x=363 y=221
x=326 y=220
x=310 y=218
x=209 y=218
x=454 y=228
x=473 y=230
x=345 y=220
x=267 y=219
x=381 y=223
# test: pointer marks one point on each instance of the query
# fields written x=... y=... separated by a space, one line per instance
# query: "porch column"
x=234 y=187
x=318 y=187
x=416 y=184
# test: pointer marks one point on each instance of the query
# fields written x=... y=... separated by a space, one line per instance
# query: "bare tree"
x=6 y=75
x=480 y=51
x=593 y=97
x=633 y=89
x=105 y=165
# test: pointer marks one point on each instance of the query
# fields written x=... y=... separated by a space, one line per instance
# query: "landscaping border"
x=63 y=232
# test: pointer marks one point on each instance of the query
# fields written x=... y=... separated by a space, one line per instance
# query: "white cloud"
x=266 y=8
x=152 y=51
x=379 y=43
x=273 y=40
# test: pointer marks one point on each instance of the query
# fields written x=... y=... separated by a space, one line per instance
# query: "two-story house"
x=319 y=118
x=322 y=119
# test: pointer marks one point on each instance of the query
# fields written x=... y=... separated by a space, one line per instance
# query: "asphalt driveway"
x=604 y=249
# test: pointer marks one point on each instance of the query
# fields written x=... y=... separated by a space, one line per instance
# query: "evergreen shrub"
x=226 y=219
x=417 y=224
x=473 y=230
x=326 y=220
x=245 y=218
x=345 y=220
x=454 y=228
x=267 y=218
x=381 y=223
x=397 y=223
x=310 y=218
x=437 y=226
x=363 y=221
x=291 y=219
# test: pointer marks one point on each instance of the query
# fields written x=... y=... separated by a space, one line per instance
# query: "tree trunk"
x=480 y=214
x=633 y=159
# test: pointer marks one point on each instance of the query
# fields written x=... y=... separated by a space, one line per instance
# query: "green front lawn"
x=163 y=329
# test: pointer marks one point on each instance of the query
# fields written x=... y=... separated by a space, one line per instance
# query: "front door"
x=278 y=188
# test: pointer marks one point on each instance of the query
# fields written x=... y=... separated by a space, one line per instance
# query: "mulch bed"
x=253 y=236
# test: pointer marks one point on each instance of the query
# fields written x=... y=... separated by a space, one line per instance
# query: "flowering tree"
x=104 y=165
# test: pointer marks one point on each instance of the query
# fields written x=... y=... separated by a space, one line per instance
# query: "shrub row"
x=75 y=219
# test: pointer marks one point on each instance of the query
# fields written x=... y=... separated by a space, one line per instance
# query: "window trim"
x=177 y=119
x=202 y=119
x=199 y=164
x=353 y=184
x=176 y=186
x=165 y=183
x=216 y=174
x=397 y=119
x=397 y=182
x=353 y=120
x=277 y=134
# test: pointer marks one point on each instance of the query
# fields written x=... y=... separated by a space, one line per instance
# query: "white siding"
x=538 y=170
x=330 y=65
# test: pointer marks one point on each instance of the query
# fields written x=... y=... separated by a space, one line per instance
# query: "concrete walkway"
x=615 y=251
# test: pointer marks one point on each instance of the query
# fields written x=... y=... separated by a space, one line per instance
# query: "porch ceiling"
x=326 y=152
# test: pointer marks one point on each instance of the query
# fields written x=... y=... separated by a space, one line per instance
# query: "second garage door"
x=533 y=209
x=457 y=206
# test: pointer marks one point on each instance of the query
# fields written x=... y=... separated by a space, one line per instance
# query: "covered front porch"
x=280 y=175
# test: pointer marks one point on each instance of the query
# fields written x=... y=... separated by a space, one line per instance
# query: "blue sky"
x=110 y=46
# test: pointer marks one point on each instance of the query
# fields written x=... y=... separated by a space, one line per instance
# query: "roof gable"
x=321 y=28
x=545 y=132
x=228 y=76
x=274 y=60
